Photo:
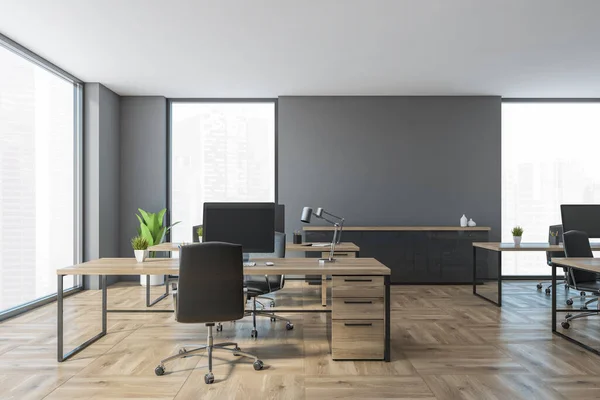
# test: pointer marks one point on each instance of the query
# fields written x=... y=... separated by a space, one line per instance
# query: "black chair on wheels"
x=577 y=244
x=210 y=271
x=554 y=231
x=257 y=286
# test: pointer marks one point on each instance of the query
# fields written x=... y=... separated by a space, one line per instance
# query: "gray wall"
x=391 y=160
x=143 y=162
x=101 y=153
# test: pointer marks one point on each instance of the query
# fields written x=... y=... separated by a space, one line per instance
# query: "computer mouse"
x=269 y=263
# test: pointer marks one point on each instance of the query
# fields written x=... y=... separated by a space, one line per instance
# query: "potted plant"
x=140 y=248
x=152 y=229
x=517 y=233
x=200 y=231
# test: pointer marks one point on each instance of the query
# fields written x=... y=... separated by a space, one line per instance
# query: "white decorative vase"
x=155 y=280
x=140 y=255
x=471 y=222
x=463 y=221
x=517 y=240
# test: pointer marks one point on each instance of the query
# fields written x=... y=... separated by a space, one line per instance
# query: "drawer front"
x=357 y=308
x=357 y=340
x=339 y=254
x=357 y=286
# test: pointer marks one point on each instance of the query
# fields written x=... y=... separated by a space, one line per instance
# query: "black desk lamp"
x=307 y=213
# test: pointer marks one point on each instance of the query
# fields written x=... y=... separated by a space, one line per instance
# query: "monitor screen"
x=581 y=217
x=250 y=224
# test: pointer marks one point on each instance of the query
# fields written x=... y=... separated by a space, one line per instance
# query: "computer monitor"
x=581 y=217
x=279 y=218
x=250 y=224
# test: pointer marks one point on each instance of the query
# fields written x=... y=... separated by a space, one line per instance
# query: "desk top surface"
x=289 y=266
x=416 y=228
x=586 y=264
x=497 y=246
x=343 y=247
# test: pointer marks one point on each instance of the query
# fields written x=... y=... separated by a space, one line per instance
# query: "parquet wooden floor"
x=446 y=344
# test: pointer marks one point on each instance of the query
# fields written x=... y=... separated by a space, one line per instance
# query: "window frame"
x=538 y=100
x=23 y=52
x=169 y=147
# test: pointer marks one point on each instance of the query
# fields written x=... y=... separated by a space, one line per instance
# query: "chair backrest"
x=211 y=283
x=558 y=229
x=577 y=244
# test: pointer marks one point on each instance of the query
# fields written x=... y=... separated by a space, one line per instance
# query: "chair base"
x=209 y=347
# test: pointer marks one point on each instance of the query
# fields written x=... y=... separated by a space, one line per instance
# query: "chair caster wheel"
x=582 y=294
x=548 y=291
x=254 y=333
x=569 y=302
x=568 y=316
x=219 y=328
x=539 y=286
x=160 y=370
x=182 y=350
x=565 y=324
x=258 y=365
x=236 y=348
x=209 y=378
x=273 y=319
x=289 y=326
x=272 y=304
x=583 y=308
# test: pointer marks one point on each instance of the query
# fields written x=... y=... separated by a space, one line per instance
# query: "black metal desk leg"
x=59 y=323
x=162 y=296
x=474 y=269
x=554 y=298
x=387 y=349
x=499 y=279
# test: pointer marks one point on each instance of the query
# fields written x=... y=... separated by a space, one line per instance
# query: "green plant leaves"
x=151 y=227
x=146 y=234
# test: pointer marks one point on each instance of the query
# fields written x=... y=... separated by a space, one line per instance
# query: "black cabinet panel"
x=417 y=256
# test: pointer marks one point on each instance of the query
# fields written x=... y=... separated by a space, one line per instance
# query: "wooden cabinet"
x=358 y=318
x=416 y=256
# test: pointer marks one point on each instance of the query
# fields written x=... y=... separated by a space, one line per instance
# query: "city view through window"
x=223 y=152
x=549 y=158
x=37 y=167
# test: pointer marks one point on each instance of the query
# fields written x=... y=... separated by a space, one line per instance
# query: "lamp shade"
x=306 y=215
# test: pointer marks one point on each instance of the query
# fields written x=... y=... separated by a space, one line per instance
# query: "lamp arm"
x=334 y=241
x=332 y=215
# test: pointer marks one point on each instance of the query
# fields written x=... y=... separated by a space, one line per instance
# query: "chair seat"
x=589 y=286
x=257 y=285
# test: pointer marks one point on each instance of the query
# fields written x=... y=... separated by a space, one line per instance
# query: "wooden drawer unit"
x=357 y=308
x=357 y=286
x=355 y=339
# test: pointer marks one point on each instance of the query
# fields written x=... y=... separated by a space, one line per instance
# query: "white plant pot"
x=141 y=255
x=517 y=240
x=155 y=280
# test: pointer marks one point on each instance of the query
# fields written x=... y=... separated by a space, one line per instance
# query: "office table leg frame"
x=150 y=303
x=499 y=302
x=554 y=311
x=61 y=356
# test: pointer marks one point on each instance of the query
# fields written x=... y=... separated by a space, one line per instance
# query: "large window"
x=549 y=158
x=38 y=176
x=220 y=151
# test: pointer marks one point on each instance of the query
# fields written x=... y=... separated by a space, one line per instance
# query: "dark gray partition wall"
x=143 y=162
x=391 y=160
x=101 y=149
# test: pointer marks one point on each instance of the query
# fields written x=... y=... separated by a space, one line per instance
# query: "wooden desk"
x=584 y=264
x=342 y=250
x=360 y=311
x=502 y=247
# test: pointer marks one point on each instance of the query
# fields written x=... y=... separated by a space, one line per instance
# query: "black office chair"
x=210 y=271
x=577 y=244
x=558 y=231
x=257 y=286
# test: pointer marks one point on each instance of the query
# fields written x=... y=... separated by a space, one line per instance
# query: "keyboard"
x=249 y=264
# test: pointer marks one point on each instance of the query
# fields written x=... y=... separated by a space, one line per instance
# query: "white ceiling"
x=260 y=48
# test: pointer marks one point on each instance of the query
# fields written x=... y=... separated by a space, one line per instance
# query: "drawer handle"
x=355 y=324
x=358 y=302
x=358 y=280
